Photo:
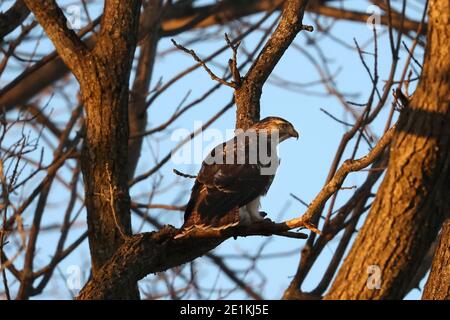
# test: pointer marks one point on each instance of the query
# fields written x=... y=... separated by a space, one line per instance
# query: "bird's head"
x=282 y=127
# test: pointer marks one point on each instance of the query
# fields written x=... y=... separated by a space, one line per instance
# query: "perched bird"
x=234 y=176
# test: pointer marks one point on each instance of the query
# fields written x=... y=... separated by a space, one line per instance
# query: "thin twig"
x=203 y=64
x=184 y=175
x=232 y=63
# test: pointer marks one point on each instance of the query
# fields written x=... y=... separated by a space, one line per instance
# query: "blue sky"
x=304 y=163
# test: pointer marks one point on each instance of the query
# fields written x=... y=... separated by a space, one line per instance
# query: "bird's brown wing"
x=221 y=189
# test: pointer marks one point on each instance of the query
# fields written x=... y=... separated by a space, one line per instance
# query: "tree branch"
x=69 y=46
x=12 y=18
x=248 y=95
x=228 y=11
x=137 y=117
x=203 y=64
x=154 y=252
x=35 y=80
x=348 y=166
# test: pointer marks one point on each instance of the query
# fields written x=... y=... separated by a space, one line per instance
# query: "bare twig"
x=184 y=175
x=203 y=64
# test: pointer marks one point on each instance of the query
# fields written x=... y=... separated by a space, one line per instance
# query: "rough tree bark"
x=104 y=157
x=152 y=252
x=248 y=93
x=438 y=283
x=413 y=199
x=103 y=74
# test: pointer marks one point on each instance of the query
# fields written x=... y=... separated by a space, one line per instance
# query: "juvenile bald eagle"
x=235 y=175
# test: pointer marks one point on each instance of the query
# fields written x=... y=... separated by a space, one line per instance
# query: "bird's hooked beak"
x=293 y=133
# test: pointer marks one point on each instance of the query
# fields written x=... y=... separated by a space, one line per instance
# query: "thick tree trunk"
x=103 y=73
x=104 y=157
x=438 y=283
x=413 y=199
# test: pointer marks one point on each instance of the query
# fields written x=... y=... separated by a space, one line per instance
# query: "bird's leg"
x=253 y=210
x=244 y=216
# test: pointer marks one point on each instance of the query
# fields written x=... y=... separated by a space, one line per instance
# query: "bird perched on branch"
x=235 y=175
